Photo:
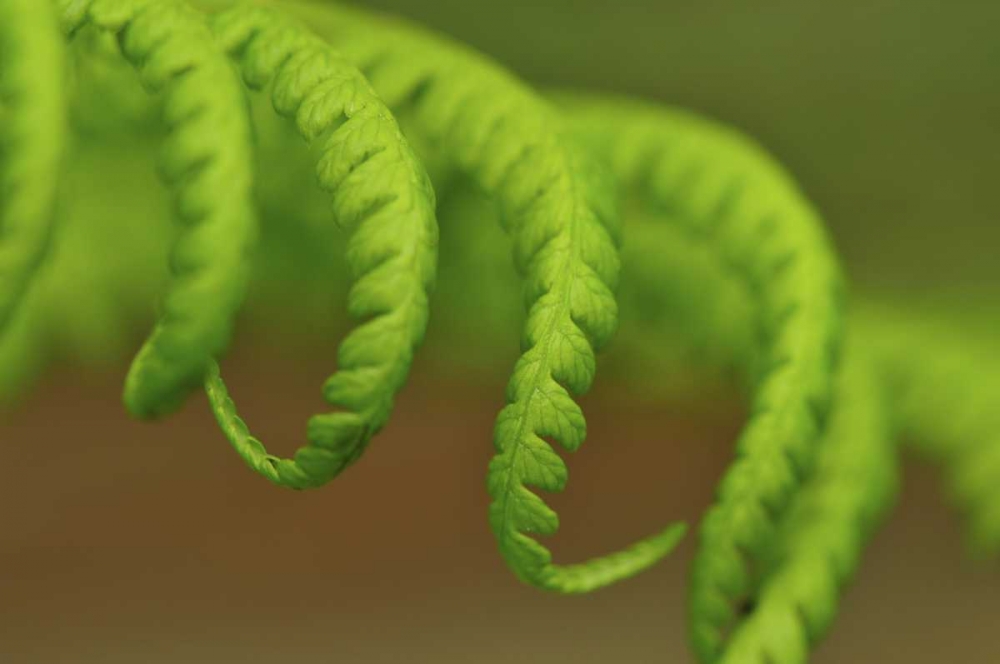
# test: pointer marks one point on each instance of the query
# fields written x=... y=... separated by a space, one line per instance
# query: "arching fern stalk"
x=32 y=142
x=821 y=538
x=818 y=543
x=717 y=187
x=206 y=162
x=678 y=275
x=558 y=207
x=379 y=190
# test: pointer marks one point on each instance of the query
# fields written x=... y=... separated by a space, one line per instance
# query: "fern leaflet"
x=380 y=191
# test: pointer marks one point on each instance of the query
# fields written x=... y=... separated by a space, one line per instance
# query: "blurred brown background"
x=128 y=542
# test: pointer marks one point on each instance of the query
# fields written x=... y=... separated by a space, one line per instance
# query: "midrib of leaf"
x=550 y=332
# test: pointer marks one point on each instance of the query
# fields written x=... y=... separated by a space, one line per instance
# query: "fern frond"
x=683 y=294
x=207 y=162
x=819 y=541
x=380 y=192
x=558 y=207
x=722 y=188
x=821 y=538
x=33 y=135
x=855 y=479
x=946 y=384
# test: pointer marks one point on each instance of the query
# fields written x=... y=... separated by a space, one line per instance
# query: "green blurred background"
x=129 y=542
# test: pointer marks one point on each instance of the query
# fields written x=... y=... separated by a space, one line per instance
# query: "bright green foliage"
x=817 y=544
x=671 y=275
x=207 y=163
x=558 y=207
x=32 y=142
x=378 y=190
x=719 y=187
x=821 y=538
x=726 y=272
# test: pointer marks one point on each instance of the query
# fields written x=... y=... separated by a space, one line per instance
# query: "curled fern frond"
x=855 y=477
x=729 y=261
x=819 y=541
x=558 y=207
x=381 y=193
x=947 y=405
x=33 y=136
x=207 y=162
x=821 y=538
x=722 y=188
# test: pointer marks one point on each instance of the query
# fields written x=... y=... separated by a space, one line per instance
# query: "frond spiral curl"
x=379 y=191
x=821 y=538
x=818 y=543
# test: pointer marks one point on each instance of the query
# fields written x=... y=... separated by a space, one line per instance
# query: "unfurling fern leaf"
x=207 y=162
x=718 y=186
x=558 y=207
x=821 y=538
x=380 y=191
x=678 y=294
x=818 y=542
x=32 y=141
x=946 y=389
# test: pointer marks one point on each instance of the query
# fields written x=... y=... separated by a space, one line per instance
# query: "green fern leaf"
x=719 y=186
x=207 y=162
x=821 y=539
x=380 y=192
x=558 y=207
x=33 y=136
x=946 y=404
